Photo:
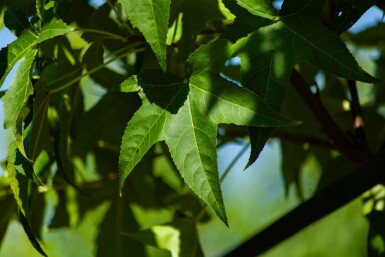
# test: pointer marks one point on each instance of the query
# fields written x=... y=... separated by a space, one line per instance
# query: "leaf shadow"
x=167 y=90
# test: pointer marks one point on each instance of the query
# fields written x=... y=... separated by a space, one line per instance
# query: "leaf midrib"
x=196 y=145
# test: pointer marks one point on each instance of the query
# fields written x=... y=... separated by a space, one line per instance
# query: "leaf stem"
x=234 y=161
x=355 y=107
x=102 y=32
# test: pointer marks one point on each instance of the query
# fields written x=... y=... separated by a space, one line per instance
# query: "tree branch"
x=303 y=139
x=335 y=134
x=323 y=203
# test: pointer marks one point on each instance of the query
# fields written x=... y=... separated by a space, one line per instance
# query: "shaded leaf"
x=347 y=12
x=108 y=128
x=30 y=234
x=151 y=18
x=16 y=19
x=39 y=131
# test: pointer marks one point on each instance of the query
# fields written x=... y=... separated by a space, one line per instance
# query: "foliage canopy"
x=104 y=95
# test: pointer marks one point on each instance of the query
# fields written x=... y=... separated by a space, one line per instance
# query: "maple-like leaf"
x=271 y=49
x=185 y=113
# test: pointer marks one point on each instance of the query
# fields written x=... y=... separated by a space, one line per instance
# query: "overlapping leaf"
x=185 y=113
x=151 y=18
x=269 y=53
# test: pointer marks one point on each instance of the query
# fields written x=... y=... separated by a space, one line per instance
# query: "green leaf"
x=129 y=85
x=185 y=113
x=23 y=46
x=179 y=237
x=117 y=109
x=151 y=18
x=32 y=238
x=39 y=137
x=269 y=54
x=16 y=19
x=143 y=130
x=18 y=191
x=17 y=96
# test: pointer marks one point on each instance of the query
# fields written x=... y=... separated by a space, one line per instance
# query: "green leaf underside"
x=269 y=54
x=151 y=18
x=187 y=117
x=26 y=42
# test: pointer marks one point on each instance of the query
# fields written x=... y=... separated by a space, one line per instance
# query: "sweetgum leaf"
x=185 y=113
x=269 y=53
x=151 y=18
